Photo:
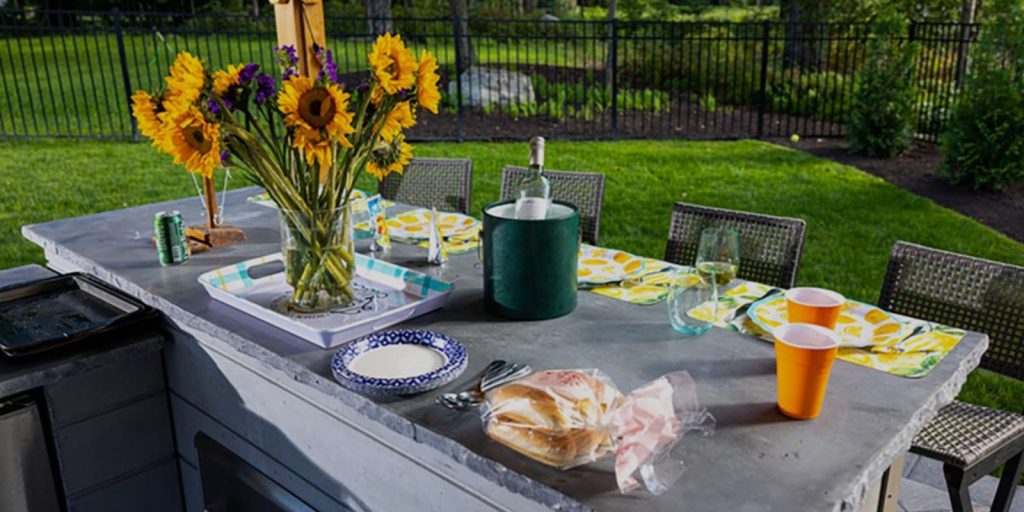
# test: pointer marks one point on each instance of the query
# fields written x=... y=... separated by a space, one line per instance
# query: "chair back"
x=770 y=247
x=442 y=183
x=961 y=291
x=583 y=189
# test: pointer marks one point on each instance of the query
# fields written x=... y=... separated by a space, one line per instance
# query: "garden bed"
x=683 y=117
x=916 y=172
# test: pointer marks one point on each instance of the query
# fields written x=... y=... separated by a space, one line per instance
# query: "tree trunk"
x=802 y=48
x=609 y=62
x=378 y=14
x=967 y=11
x=464 y=46
x=256 y=8
x=529 y=6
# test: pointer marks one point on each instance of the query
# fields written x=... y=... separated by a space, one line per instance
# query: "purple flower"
x=265 y=88
x=403 y=93
x=330 y=68
x=224 y=156
x=247 y=73
x=214 y=107
x=288 y=73
x=287 y=54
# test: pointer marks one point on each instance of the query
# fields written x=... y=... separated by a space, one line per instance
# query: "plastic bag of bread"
x=568 y=418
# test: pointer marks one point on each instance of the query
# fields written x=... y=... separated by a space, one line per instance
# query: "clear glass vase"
x=319 y=254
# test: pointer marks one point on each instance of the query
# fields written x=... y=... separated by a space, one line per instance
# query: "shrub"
x=882 y=121
x=983 y=144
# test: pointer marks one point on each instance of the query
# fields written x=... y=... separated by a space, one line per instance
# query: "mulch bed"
x=916 y=172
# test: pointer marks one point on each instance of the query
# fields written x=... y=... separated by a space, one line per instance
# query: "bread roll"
x=555 y=417
x=564 y=450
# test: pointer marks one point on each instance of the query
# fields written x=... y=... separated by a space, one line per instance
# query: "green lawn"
x=853 y=218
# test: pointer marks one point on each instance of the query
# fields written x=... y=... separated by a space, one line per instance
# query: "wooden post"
x=210 y=195
x=301 y=23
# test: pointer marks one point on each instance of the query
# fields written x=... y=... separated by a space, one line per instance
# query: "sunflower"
x=316 y=148
x=319 y=117
x=393 y=65
x=223 y=79
x=185 y=83
x=196 y=143
x=388 y=157
x=144 y=109
x=426 y=83
x=400 y=117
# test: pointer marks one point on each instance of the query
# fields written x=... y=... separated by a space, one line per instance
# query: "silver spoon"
x=475 y=396
x=448 y=399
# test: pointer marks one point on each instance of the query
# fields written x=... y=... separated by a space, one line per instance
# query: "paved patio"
x=924 y=489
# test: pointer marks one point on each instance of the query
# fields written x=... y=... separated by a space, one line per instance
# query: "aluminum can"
x=171 y=244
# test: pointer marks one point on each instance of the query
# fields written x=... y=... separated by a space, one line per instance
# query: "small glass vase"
x=319 y=254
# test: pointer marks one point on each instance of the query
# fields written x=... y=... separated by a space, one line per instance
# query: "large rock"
x=487 y=86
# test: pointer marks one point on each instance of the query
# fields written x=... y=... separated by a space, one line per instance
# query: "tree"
x=463 y=44
x=378 y=14
x=881 y=123
x=801 y=49
x=609 y=65
x=982 y=144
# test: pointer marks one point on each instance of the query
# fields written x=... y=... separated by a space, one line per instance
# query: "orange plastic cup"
x=816 y=306
x=804 y=354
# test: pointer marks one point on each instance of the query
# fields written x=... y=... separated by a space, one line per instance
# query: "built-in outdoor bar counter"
x=269 y=397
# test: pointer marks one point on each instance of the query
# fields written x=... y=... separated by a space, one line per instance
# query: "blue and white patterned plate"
x=400 y=362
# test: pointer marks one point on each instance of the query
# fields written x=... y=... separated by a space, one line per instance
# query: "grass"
x=60 y=84
x=853 y=218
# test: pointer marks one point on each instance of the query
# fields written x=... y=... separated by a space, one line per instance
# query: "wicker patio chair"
x=770 y=247
x=442 y=183
x=583 y=189
x=979 y=295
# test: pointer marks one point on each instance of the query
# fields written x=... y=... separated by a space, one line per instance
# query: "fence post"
x=456 y=30
x=613 y=54
x=763 y=99
x=125 y=78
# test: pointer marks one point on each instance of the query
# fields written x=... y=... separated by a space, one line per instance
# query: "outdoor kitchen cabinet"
x=105 y=415
x=112 y=433
x=326 y=456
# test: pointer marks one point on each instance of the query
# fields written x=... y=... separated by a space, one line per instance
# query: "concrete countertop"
x=757 y=460
x=25 y=373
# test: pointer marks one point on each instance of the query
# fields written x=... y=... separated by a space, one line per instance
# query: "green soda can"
x=171 y=244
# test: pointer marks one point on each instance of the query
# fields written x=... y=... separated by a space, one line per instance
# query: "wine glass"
x=718 y=258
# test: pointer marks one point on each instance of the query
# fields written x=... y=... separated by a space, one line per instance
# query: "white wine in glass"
x=722 y=272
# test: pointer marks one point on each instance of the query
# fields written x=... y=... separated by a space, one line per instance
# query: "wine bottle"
x=533 y=196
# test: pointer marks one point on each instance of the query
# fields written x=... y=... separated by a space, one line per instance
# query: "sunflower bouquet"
x=304 y=139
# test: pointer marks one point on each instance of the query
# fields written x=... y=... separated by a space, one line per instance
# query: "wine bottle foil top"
x=537 y=151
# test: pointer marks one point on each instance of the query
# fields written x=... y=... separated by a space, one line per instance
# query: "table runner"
x=919 y=347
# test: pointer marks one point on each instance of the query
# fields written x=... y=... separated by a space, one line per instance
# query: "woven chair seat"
x=963 y=433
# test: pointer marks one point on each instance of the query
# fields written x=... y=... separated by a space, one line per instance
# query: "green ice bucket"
x=530 y=265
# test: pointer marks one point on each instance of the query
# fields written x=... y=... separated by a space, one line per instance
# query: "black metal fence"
x=71 y=73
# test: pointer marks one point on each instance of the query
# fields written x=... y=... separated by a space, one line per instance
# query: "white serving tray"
x=386 y=294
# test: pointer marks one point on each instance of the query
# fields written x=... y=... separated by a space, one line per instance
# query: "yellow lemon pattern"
x=414 y=225
x=597 y=266
x=859 y=324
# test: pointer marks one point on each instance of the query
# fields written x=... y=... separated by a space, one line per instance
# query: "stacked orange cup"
x=805 y=350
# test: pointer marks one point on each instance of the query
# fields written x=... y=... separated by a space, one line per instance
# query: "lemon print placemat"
x=598 y=266
x=869 y=336
x=461 y=233
x=414 y=225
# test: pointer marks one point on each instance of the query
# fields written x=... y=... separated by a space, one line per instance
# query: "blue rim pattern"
x=455 y=355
